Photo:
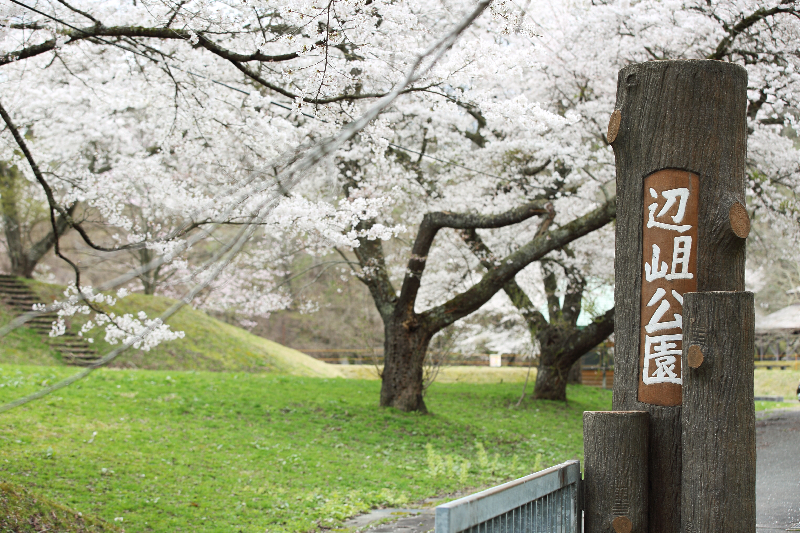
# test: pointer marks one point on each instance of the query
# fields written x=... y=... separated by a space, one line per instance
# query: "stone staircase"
x=17 y=296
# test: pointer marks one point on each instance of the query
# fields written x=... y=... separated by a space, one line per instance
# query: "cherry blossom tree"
x=123 y=83
x=217 y=106
x=517 y=151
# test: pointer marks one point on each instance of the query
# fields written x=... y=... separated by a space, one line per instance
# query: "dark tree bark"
x=407 y=332
x=687 y=115
x=152 y=278
x=615 y=482
x=561 y=342
x=23 y=255
x=405 y=346
x=718 y=418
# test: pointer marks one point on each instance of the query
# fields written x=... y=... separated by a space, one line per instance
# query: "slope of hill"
x=209 y=344
x=23 y=512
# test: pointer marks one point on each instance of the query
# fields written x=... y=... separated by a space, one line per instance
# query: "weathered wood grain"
x=685 y=115
x=718 y=480
x=615 y=471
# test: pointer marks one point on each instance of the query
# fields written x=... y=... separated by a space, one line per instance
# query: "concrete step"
x=36 y=322
x=8 y=284
x=75 y=348
x=75 y=351
x=58 y=342
x=80 y=362
x=27 y=304
x=19 y=296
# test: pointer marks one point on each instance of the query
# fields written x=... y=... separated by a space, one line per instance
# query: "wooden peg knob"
x=622 y=524
x=613 y=126
x=695 y=356
x=740 y=221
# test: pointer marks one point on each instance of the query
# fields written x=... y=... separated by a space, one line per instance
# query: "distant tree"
x=29 y=234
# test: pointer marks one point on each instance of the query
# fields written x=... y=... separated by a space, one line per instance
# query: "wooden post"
x=718 y=483
x=615 y=471
x=679 y=135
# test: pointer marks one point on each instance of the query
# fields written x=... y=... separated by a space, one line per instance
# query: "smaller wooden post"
x=718 y=477
x=615 y=445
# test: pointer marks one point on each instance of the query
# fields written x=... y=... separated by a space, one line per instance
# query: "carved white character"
x=680 y=195
x=661 y=353
x=652 y=272
x=670 y=195
x=655 y=323
x=681 y=252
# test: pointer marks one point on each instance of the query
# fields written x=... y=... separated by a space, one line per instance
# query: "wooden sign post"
x=718 y=483
x=615 y=471
x=679 y=135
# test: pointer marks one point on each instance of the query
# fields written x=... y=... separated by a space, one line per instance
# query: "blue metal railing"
x=545 y=502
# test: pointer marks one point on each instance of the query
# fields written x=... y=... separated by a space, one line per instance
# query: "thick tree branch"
x=374 y=274
x=472 y=299
x=585 y=339
x=98 y=31
x=236 y=59
x=433 y=222
x=44 y=244
x=723 y=48
x=533 y=317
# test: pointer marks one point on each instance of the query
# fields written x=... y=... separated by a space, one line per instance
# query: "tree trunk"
x=718 y=419
x=554 y=367
x=615 y=485
x=12 y=225
x=574 y=377
x=561 y=348
x=23 y=261
x=150 y=279
x=405 y=346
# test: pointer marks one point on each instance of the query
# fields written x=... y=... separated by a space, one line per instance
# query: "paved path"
x=778 y=472
x=409 y=521
x=777 y=484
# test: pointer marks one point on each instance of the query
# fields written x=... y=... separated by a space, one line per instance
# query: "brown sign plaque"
x=669 y=270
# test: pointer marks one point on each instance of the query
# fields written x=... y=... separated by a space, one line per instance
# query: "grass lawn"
x=777 y=382
x=203 y=451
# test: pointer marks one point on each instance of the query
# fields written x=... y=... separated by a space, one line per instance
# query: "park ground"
x=226 y=451
x=225 y=431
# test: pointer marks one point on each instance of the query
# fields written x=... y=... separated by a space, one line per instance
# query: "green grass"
x=209 y=343
x=777 y=382
x=201 y=451
x=23 y=345
x=23 y=512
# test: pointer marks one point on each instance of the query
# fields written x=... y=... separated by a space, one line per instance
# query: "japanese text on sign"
x=670 y=259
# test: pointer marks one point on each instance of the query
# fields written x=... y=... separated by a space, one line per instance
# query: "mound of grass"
x=23 y=512
x=209 y=344
x=203 y=451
